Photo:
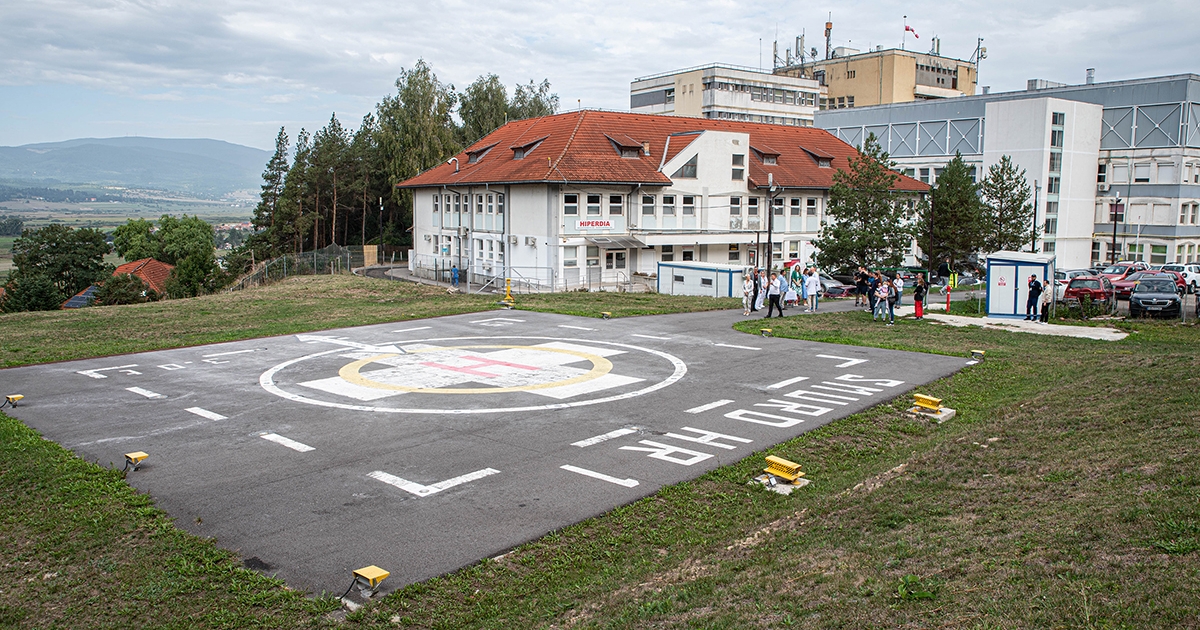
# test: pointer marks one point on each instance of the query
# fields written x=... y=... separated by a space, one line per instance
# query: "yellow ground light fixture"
x=784 y=469
x=134 y=459
x=606 y=314
x=11 y=400
x=930 y=407
x=766 y=332
x=368 y=579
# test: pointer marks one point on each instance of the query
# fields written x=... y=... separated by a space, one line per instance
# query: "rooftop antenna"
x=904 y=34
x=1091 y=76
x=829 y=36
x=979 y=55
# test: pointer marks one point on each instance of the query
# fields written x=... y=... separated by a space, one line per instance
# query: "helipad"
x=425 y=446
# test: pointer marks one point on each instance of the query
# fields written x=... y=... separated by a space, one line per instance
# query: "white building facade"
x=723 y=92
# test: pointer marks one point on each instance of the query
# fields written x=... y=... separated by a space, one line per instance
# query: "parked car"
x=1122 y=270
x=1190 y=271
x=838 y=291
x=1098 y=288
x=1125 y=286
x=1063 y=278
x=1155 y=297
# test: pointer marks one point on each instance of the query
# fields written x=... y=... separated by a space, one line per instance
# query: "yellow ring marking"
x=350 y=373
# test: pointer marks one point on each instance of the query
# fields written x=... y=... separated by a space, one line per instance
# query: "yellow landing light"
x=12 y=400
x=783 y=469
x=766 y=332
x=134 y=459
x=927 y=402
x=369 y=578
x=606 y=314
x=977 y=355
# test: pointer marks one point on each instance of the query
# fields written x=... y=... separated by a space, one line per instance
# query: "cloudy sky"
x=237 y=70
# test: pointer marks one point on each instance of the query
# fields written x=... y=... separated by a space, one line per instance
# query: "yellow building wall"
x=878 y=78
x=689 y=94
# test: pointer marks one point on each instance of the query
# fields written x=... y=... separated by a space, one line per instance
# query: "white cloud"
x=245 y=57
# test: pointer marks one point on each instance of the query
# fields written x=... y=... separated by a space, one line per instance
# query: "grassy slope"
x=1083 y=512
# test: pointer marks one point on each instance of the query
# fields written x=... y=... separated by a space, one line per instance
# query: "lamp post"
x=1033 y=232
x=1112 y=213
x=770 y=220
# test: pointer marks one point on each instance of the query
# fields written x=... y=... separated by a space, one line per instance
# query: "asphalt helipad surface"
x=425 y=446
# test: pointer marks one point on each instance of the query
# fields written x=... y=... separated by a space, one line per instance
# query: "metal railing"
x=331 y=260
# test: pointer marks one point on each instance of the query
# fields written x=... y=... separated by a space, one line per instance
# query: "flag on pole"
x=910 y=30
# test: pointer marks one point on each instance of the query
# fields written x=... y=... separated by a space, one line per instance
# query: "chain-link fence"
x=330 y=260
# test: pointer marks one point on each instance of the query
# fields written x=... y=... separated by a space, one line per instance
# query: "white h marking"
x=424 y=491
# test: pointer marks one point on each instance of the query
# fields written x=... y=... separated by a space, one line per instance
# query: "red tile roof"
x=152 y=272
x=577 y=147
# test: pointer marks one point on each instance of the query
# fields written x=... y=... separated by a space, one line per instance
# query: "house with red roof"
x=595 y=195
x=151 y=271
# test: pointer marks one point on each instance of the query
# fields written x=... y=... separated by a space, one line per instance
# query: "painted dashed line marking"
x=574 y=327
x=204 y=413
x=651 y=337
x=711 y=405
x=790 y=381
x=628 y=483
x=404 y=330
x=730 y=345
x=603 y=438
x=292 y=444
x=424 y=491
x=144 y=392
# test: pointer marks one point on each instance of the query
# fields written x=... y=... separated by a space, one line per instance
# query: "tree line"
x=871 y=224
x=337 y=185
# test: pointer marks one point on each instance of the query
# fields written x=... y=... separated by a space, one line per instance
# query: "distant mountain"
x=202 y=167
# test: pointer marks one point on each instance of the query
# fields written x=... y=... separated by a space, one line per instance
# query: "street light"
x=770 y=219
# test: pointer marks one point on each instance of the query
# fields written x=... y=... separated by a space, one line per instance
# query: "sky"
x=238 y=70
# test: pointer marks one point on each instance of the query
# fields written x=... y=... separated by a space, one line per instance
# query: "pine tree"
x=954 y=217
x=1009 y=213
x=272 y=187
x=869 y=223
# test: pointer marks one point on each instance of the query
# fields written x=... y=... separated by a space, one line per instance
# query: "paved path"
x=424 y=446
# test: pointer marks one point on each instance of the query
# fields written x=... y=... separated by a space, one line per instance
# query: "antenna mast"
x=829 y=36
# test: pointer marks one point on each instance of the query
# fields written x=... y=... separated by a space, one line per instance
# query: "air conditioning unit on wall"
x=428 y=238
x=512 y=240
x=531 y=241
x=1102 y=188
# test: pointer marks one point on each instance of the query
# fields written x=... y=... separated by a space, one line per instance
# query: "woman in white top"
x=747 y=294
x=812 y=285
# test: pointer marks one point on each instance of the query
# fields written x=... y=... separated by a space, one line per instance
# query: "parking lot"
x=426 y=446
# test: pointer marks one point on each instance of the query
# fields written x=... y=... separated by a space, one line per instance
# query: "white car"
x=1190 y=272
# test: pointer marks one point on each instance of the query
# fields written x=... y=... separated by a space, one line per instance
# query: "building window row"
x=760 y=93
x=759 y=118
x=1164 y=173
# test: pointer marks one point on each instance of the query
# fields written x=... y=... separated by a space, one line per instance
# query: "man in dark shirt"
x=1035 y=295
x=943 y=272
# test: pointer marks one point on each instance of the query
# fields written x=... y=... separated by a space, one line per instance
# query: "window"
x=1120 y=173
x=1166 y=173
x=1058 y=119
x=491 y=203
x=1056 y=138
x=688 y=170
x=925 y=175
x=1158 y=254
x=735 y=206
x=437 y=207
x=1048 y=247
x=1183 y=213
x=1116 y=213
x=500 y=203
x=593 y=205
x=614 y=260
x=752 y=206
x=735 y=253
x=778 y=204
x=849 y=101
x=770 y=160
x=1102 y=174
x=738 y=174
x=593 y=256
x=706 y=282
x=571 y=256
x=739 y=159
x=1053 y=185
x=571 y=204
x=812 y=207
x=668 y=253
x=1095 y=251
x=850 y=74
x=1141 y=173
x=648 y=205
x=630 y=152
x=1051 y=207
x=841 y=102
x=793 y=250
x=1137 y=252
x=479 y=201
x=795 y=207
x=668 y=205
x=1051 y=227
x=689 y=254
x=616 y=205
x=1195 y=211
x=1055 y=162
x=689 y=206
x=776 y=251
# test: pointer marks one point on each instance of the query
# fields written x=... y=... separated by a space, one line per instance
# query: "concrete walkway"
x=1036 y=328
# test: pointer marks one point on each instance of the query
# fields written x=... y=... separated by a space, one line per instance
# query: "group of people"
x=881 y=294
x=778 y=290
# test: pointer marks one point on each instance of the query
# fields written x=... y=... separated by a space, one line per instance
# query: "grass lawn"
x=1065 y=494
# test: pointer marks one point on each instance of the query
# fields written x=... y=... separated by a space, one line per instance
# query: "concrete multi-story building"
x=724 y=92
x=852 y=78
x=593 y=197
x=1119 y=157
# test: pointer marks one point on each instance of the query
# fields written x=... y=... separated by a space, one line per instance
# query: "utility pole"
x=770 y=220
x=1033 y=233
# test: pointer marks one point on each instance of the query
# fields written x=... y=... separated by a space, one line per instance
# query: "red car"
x=1121 y=270
x=1098 y=288
x=1125 y=286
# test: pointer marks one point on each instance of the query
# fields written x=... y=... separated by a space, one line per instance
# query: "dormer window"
x=688 y=170
x=825 y=163
x=823 y=159
x=522 y=150
x=770 y=160
x=767 y=155
x=473 y=157
x=629 y=148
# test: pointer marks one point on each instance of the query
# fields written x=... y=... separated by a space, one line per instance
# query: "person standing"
x=747 y=294
x=893 y=298
x=812 y=283
x=762 y=290
x=1031 y=304
x=919 y=292
x=754 y=303
x=882 y=289
x=773 y=296
x=898 y=286
x=454 y=276
x=872 y=286
x=944 y=272
x=860 y=286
